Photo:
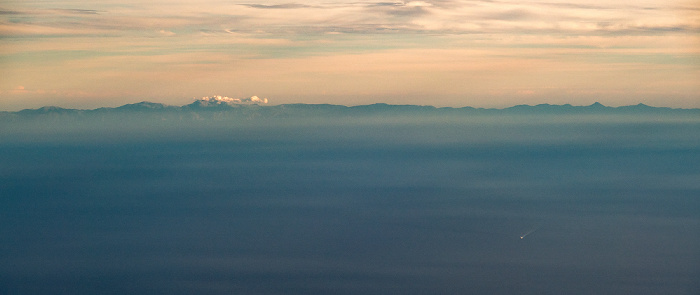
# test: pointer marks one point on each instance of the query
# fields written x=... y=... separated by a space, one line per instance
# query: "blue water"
x=356 y=208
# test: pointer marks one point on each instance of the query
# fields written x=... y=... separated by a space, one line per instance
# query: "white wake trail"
x=529 y=232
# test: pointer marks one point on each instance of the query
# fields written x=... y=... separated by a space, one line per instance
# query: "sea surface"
x=604 y=205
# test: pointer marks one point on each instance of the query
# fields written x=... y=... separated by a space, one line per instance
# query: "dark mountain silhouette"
x=144 y=106
x=48 y=110
x=216 y=110
x=210 y=105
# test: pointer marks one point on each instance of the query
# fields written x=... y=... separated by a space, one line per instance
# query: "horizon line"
x=595 y=104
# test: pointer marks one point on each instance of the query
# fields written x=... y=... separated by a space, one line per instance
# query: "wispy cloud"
x=278 y=6
x=77 y=11
x=216 y=100
x=188 y=44
x=435 y=17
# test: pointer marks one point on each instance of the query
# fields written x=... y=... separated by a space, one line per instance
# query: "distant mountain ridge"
x=199 y=108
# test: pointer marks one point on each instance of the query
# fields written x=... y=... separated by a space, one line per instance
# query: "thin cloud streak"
x=370 y=17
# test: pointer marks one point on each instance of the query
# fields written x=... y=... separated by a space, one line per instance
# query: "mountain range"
x=199 y=111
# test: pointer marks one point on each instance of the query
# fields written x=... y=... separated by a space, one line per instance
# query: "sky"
x=88 y=54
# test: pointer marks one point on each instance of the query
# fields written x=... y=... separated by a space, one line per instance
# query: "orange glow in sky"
x=443 y=53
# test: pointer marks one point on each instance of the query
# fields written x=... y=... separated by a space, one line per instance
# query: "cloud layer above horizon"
x=445 y=53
